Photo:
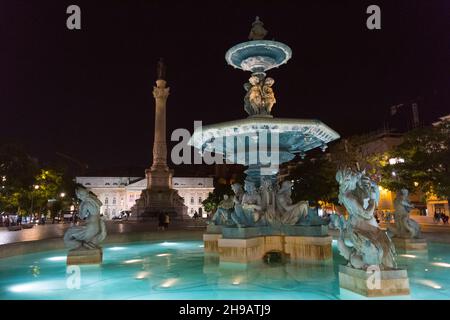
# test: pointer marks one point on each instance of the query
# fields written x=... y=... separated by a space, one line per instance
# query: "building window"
x=192 y=200
x=107 y=184
x=114 y=200
x=200 y=200
x=87 y=184
x=106 y=200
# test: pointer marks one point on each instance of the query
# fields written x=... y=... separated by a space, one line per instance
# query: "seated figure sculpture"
x=405 y=227
x=222 y=216
x=248 y=211
x=93 y=232
x=361 y=242
x=290 y=213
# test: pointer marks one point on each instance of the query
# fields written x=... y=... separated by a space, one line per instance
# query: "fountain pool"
x=180 y=270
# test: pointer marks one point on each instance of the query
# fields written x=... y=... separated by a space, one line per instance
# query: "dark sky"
x=88 y=93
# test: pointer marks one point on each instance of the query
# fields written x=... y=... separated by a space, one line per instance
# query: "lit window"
x=106 y=200
x=114 y=200
x=199 y=199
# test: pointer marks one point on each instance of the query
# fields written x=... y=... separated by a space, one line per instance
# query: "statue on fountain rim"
x=361 y=241
x=405 y=227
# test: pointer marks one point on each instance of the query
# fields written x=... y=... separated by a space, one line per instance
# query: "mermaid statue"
x=362 y=242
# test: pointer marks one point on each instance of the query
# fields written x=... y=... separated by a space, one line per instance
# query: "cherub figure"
x=268 y=95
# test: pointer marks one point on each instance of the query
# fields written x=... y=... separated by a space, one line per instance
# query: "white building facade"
x=119 y=194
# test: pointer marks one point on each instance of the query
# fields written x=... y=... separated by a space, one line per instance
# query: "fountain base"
x=393 y=282
x=246 y=250
x=408 y=244
x=85 y=256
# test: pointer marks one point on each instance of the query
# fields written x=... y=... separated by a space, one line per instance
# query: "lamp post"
x=35 y=187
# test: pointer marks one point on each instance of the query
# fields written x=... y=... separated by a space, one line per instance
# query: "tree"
x=420 y=163
x=17 y=174
x=314 y=180
x=212 y=201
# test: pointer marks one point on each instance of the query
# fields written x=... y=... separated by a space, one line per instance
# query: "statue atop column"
x=257 y=32
x=161 y=70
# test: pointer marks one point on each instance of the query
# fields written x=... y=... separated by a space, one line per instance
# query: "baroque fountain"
x=260 y=219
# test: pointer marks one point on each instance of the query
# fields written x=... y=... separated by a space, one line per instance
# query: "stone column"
x=160 y=92
x=159 y=176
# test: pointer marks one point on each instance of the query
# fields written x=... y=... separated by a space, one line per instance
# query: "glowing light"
x=38 y=286
x=236 y=283
x=441 y=264
x=393 y=161
x=117 y=248
x=132 y=261
x=201 y=246
x=430 y=284
x=416 y=184
x=163 y=255
x=408 y=256
x=142 y=275
x=57 y=258
x=168 y=283
x=165 y=243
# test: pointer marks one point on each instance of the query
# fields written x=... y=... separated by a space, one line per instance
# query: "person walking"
x=161 y=220
x=166 y=221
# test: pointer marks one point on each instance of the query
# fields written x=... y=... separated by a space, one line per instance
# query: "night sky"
x=87 y=93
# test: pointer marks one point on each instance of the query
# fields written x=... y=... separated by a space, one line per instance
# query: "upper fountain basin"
x=239 y=140
x=258 y=55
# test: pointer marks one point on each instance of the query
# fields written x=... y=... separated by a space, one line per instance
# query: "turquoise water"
x=180 y=270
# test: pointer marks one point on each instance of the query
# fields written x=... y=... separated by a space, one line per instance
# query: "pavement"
x=432 y=232
x=54 y=231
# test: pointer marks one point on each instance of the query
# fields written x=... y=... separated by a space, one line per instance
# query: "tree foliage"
x=425 y=162
x=23 y=184
x=314 y=180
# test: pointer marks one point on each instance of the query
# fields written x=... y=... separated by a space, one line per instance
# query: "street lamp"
x=36 y=187
x=62 y=194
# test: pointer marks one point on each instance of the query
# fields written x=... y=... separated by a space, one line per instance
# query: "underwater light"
x=201 y=246
x=57 y=258
x=441 y=264
x=165 y=243
x=142 y=275
x=163 y=254
x=133 y=261
x=117 y=248
x=168 y=283
x=430 y=284
x=34 y=287
x=408 y=256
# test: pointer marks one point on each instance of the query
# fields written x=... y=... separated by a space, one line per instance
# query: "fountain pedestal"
x=244 y=245
x=85 y=256
x=383 y=283
x=309 y=249
x=410 y=244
